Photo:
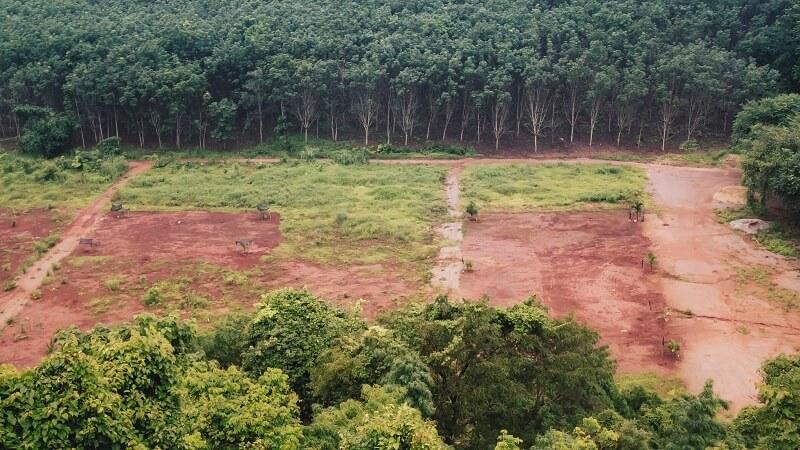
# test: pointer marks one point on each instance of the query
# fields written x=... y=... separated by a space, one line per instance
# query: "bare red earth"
x=147 y=247
x=18 y=233
x=585 y=263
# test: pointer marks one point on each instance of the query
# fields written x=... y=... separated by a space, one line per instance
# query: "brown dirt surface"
x=721 y=283
x=18 y=233
x=186 y=235
x=189 y=255
x=584 y=263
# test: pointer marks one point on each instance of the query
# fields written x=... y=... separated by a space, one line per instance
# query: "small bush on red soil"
x=152 y=297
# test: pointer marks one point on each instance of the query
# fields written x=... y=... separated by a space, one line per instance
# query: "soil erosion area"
x=586 y=263
x=723 y=319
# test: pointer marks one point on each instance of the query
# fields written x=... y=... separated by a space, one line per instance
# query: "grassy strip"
x=781 y=238
x=762 y=279
x=329 y=213
x=665 y=386
x=694 y=158
x=37 y=183
x=504 y=187
x=315 y=148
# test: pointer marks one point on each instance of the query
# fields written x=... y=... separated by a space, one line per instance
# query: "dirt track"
x=731 y=328
x=13 y=302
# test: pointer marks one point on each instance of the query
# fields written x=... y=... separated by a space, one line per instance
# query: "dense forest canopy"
x=443 y=375
x=209 y=72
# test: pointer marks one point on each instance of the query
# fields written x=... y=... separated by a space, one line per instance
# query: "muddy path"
x=446 y=274
x=11 y=303
x=724 y=321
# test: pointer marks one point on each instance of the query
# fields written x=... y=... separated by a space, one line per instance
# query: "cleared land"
x=331 y=214
x=560 y=231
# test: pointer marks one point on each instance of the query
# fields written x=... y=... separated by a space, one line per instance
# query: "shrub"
x=47 y=133
x=110 y=147
x=357 y=156
x=772 y=111
x=152 y=297
x=471 y=210
x=689 y=146
x=9 y=285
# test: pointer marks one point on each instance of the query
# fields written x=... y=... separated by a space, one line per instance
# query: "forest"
x=298 y=373
x=530 y=74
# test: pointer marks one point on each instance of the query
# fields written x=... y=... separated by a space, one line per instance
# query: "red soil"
x=186 y=235
x=586 y=263
x=146 y=247
x=16 y=242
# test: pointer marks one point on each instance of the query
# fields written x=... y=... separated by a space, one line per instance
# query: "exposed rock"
x=750 y=226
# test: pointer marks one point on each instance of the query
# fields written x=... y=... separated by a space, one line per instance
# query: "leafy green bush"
x=290 y=330
x=356 y=156
x=110 y=147
x=772 y=111
x=152 y=297
x=227 y=342
x=689 y=146
x=47 y=133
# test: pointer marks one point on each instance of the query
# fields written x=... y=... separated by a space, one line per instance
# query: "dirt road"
x=12 y=302
x=723 y=319
x=447 y=272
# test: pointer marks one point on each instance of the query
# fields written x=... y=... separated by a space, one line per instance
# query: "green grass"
x=561 y=186
x=694 y=158
x=329 y=213
x=665 y=386
x=762 y=279
x=782 y=238
x=37 y=183
x=315 y=148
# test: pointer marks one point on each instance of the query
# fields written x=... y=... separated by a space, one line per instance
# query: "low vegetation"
x=304 y=375
x=783 y=237
x=329 y=213
x=522 y=187
x=71 y=181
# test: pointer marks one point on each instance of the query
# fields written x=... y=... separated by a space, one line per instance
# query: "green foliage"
x=690 y=145
x=686 y=421
x=771 y=111
x=775 y=424
x=152 y=297
x=47 y=132
x=110 y=147
x=35 y=183
x=186 y=70
x=225 y=409
x=374 y=358
x=607 y=432
x=471 y=209
x=379 y=422
x=772 y=164
x=550 y=186
x=390 y=210
x=226 y=342
x=487 y=377
x=290 y=330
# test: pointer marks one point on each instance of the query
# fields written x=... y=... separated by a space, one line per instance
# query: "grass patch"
x=27 y=182
x=114 y=284
x=330 y=213
x=521 y=187
x=665 y=386
x=694 y=158
x=317 y=148
x=781 y=238
x=760 y=278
